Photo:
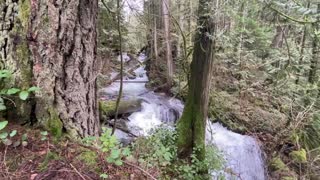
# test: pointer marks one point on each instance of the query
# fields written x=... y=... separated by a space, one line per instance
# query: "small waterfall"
x=242 y=153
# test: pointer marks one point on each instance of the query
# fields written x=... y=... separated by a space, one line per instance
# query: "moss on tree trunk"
x=192 y=125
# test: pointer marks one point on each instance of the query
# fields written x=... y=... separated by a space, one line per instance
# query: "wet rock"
x=132 y=76
x=123 y=137
x=120 y=124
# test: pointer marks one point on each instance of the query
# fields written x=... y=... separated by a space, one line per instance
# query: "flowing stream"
x=242 y=153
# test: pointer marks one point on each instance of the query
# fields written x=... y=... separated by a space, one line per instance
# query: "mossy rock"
x=277 y=164
x=299 y=156
x=108 y=108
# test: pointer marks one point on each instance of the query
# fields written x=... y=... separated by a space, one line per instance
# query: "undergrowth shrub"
x=110 y=145
x=7 y=95
x=113 y=151
x=159 y=151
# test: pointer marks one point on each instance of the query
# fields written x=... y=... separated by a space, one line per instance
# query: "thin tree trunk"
x=302 y=47
x=315 y=53
x=192 y=125
x=166 y=23
x=180 y=24
x=121 y=67
x=303 y=41
x=155 y=40
x=278 y=38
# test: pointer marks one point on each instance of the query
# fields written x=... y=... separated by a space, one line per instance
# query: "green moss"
x=221 y=107
x=299 y=156
x=108 y=108
x=22 y=52
x=184 y=131
x=309 y=135
x=51 y=156
x=277 y=164
x=89 y=158
x=54 y=124
x=24 y=12
x=73 y=134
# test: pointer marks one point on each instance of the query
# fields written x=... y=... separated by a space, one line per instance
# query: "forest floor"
x=57 y=159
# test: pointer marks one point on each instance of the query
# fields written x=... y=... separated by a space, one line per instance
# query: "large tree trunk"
x=192 y=125
x=59 y=38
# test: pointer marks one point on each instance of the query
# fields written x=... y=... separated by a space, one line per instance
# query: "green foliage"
x=159 y=150
x=309 y=135
x=299 y=156
x=213 y=162
x=44 y=135
x=107 y=25
x=3 y=124
x=5 y=94
x=277 y=164
x=109 y=144
x=7 y=138
x=104 y=176
x=89 y=158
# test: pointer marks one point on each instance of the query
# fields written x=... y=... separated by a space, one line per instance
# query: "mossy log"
x=108 y=109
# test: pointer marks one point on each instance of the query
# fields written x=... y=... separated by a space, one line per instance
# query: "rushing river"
x=242 y=153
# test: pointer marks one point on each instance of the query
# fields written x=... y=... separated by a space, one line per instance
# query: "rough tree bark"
x=58 y=48
x=192 y=125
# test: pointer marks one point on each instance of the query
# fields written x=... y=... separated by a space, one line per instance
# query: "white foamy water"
x=242 y=153
x=142 y=122
x=130 y=89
